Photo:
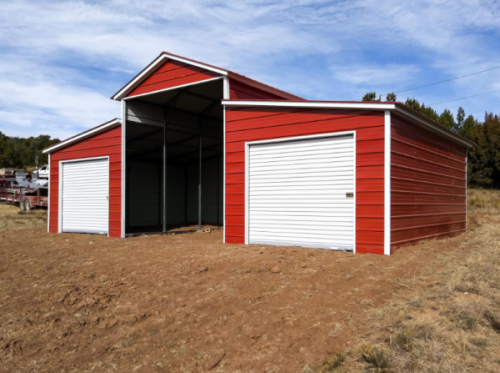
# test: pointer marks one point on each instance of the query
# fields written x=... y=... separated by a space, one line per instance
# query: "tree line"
x=18 y=152
x=483 y=163
x=483 y=167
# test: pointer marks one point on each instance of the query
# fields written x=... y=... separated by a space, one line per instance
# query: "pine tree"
x=460 y=118
x=371 y=96
x=391 y=97
x=446 y=119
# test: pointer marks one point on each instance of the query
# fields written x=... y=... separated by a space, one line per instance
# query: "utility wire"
x=463 y=98
x=448 y=80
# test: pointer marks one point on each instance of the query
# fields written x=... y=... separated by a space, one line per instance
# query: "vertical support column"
x=199 y=179
x=387 y=183
x=165 y=173
x=123 y=167
x=165 y=122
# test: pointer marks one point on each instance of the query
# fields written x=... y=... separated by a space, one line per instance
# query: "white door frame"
x=295 y=138
x=59 y=208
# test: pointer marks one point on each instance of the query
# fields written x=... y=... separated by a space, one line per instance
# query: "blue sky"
x=61 y=61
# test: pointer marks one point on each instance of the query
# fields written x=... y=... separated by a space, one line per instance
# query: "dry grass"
x=442 y=321
x=483 y=200
x=11 y=217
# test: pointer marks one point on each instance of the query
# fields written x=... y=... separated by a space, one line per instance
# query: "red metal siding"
x=172 y=74
x=104 y=144
x=252 y=124
x=428 y=185
x=239 y=90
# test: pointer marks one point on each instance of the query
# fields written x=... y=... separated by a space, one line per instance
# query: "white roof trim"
x=162 y=58
x=353 y=105
x=312 y=104
x=432 y=126
x=173 y=88
x=82 y=136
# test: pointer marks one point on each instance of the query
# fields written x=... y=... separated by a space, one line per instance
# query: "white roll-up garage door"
x=85 y=196
x=301 y=192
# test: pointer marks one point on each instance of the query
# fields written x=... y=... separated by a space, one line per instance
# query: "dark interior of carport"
x=174 y=159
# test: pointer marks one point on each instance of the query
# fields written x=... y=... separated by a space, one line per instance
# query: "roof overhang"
x=160 y=60
x=394 y=107
x=84 y=135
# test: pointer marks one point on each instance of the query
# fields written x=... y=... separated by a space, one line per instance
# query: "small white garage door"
x=301 y=193
x=85 y=196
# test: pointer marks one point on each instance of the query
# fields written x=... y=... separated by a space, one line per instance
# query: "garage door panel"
x=85 y=196
x=300 y=145
x=299 y=193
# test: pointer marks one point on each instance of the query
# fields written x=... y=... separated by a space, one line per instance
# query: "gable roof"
x=396 y=107
x=84 y=135
x=164 y=56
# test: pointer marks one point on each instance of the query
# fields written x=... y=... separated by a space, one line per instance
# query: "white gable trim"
x=83 y=135
x=160 y=60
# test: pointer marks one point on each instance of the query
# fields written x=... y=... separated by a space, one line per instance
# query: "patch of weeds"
x=403 y=340
x=329 y=365
x=466 y=322
x=479 y=342
x=377 y=357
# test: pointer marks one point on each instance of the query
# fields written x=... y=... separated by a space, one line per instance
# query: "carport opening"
x=169 y=135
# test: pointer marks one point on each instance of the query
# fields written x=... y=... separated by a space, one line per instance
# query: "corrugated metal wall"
x=252 y=124
x=240 y=91
x=212 y=192
x=428 y=184
x=172 y=74
x=104 y=144
x=144 y=194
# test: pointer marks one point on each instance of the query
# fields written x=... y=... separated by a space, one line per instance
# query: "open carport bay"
x=177 y=134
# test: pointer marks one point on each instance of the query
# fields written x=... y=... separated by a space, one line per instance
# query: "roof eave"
x=83 y=135
x=378 y=106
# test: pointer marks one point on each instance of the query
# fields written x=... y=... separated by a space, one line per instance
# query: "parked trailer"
x=27 y=197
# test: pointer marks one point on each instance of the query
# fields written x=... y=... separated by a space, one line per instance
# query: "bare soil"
x=188 y=302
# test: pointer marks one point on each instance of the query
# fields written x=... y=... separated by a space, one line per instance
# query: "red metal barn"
x=203 y=145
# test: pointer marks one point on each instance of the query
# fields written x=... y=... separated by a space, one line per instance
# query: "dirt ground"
x=188 y=303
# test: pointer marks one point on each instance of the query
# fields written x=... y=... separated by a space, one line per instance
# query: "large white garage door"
x=84 y=196
x=301 y=193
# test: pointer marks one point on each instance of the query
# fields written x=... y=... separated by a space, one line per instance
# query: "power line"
x=448 y=80
x=463 y=98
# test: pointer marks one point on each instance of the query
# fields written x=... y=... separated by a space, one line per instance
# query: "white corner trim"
x=387 y=183
x=247 y=186
x=311 y=104
x=48 y=200
x=82 y=136
x=161 y=59
x=173 y=88
x=123 y=167
x=355 y=191
x=226 y=92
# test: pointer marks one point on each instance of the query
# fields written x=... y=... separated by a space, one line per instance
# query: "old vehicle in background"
x=23 y=188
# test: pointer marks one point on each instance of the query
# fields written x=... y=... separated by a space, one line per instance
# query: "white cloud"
x=62 y=60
